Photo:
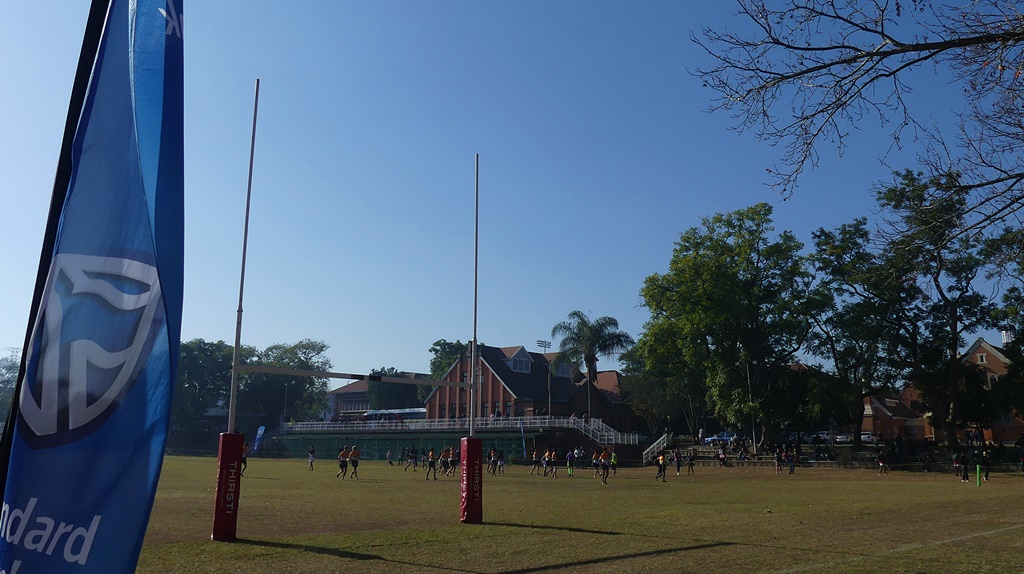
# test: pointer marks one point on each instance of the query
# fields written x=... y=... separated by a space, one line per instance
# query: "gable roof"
x=982 y=344
x=532 y=385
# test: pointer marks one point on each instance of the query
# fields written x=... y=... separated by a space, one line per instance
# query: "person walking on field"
x=312 y=455
x=615 y=462
x=570 y=458
x=342 y=462
x=660 y=461
x=431 y=463
x=677 y=456
x=691 y=462
x=410 y=458
x=553 y=463
x=245 y=458
x=605 y=465
x=388 y=456
x=353 y=461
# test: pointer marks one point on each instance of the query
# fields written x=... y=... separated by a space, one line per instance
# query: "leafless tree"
x=806 y=72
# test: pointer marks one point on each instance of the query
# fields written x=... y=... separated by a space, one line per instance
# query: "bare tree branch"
x=803 y=74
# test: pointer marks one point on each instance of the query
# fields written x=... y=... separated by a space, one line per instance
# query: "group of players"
x=346 y=459
x=448 y=458
x=604 y=460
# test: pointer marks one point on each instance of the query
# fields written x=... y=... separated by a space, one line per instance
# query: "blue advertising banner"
x=259 y=438
x=86 y=435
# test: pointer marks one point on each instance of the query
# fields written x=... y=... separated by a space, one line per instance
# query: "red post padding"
x=229 y=468
x=472 y=501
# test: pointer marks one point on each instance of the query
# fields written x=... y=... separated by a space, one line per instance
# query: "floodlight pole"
x=547 y=345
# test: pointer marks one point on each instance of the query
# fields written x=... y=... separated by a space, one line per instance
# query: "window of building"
x=440 y=412
x=508 y=408
x=497 y=408
x=991 y=381
x=520 y=364
x=564 y=370
x=462 y=411
x=451 y=411
x=982 y=358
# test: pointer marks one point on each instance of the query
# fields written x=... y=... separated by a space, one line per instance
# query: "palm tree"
x=584 y=341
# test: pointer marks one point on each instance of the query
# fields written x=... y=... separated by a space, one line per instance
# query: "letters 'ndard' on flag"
x=84 y=442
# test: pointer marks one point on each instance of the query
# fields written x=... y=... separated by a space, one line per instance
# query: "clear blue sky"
x=595 y=154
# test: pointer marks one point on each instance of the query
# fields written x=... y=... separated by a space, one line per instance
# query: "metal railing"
x=595 y=429
x=659 y=445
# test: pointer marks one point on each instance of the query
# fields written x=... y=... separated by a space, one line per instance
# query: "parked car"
x=827 y=437
x=868 y=438
x=844 y=437
x=795 y=437
x=722 y=438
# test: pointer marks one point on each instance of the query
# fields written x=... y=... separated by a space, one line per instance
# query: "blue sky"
x=595 y=154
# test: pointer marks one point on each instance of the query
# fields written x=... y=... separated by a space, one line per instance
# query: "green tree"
x=854 y=321
x=445 y=354
x=392 y=395
x=204 y=382
x=735 y=307
x=938 y=269
x=282 y=397
x=9 y=366
x=583 y=341
x=805 y=73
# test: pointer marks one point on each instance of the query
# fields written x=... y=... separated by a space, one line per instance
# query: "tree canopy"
x=393 y=395
x=733 y=309
x=584 y=341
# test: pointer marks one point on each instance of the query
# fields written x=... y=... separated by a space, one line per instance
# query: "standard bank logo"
x=89 y=343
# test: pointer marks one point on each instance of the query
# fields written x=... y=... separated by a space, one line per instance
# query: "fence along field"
x=720 y=520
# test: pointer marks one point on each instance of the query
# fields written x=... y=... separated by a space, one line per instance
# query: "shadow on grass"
x=314 y=549
x=337 y=553
x=576 y=564
x=564 y=528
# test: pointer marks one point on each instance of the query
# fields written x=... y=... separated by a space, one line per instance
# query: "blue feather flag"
x=84 y=442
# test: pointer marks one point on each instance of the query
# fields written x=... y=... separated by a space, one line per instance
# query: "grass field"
x=721 y=520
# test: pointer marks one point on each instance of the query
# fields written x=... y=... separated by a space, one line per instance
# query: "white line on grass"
x=895 y=550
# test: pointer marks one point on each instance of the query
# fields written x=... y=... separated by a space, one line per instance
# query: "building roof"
x=608 y=383
x=353 y=387
x=981 y=344
x=893 y=407
x=532 y=385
